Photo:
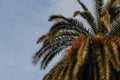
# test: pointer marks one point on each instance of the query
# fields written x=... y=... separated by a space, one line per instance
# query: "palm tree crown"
x=90 y=53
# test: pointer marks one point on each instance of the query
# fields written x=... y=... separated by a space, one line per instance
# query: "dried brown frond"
x=81 y=56
x=106 y=38
x=75 y=45
x=115 y=56
x=106 y=19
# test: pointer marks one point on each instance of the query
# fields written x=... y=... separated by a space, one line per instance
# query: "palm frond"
x=114 y=56
x=114 y=13
x=62 y=70
x=107 y=59
x=115 y=28
x=83 y=50
x=114 y=9
x=83 y=6
x=103 y=62
x=53 y=51
x=68 y=22
x=102 y=27
x=66 y=33
x=96 y=71
x=70 y=69
x=53 y=44
x=62 y=27
x=57 y=18
x=42 y=38
x=98 y=13
x=88 y=17
x=70 y=61
x=49 y=56
x=98 y=7
x=105 y=18
x=76 y=43
x=55 y=71
x=81 y=57
x=70 y=33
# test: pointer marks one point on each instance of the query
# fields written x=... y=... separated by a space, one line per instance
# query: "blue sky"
x=21 y=23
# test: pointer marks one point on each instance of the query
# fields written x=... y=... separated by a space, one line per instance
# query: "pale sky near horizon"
x=21 y=23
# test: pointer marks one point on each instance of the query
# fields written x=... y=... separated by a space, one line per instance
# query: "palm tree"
x=89 y=52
